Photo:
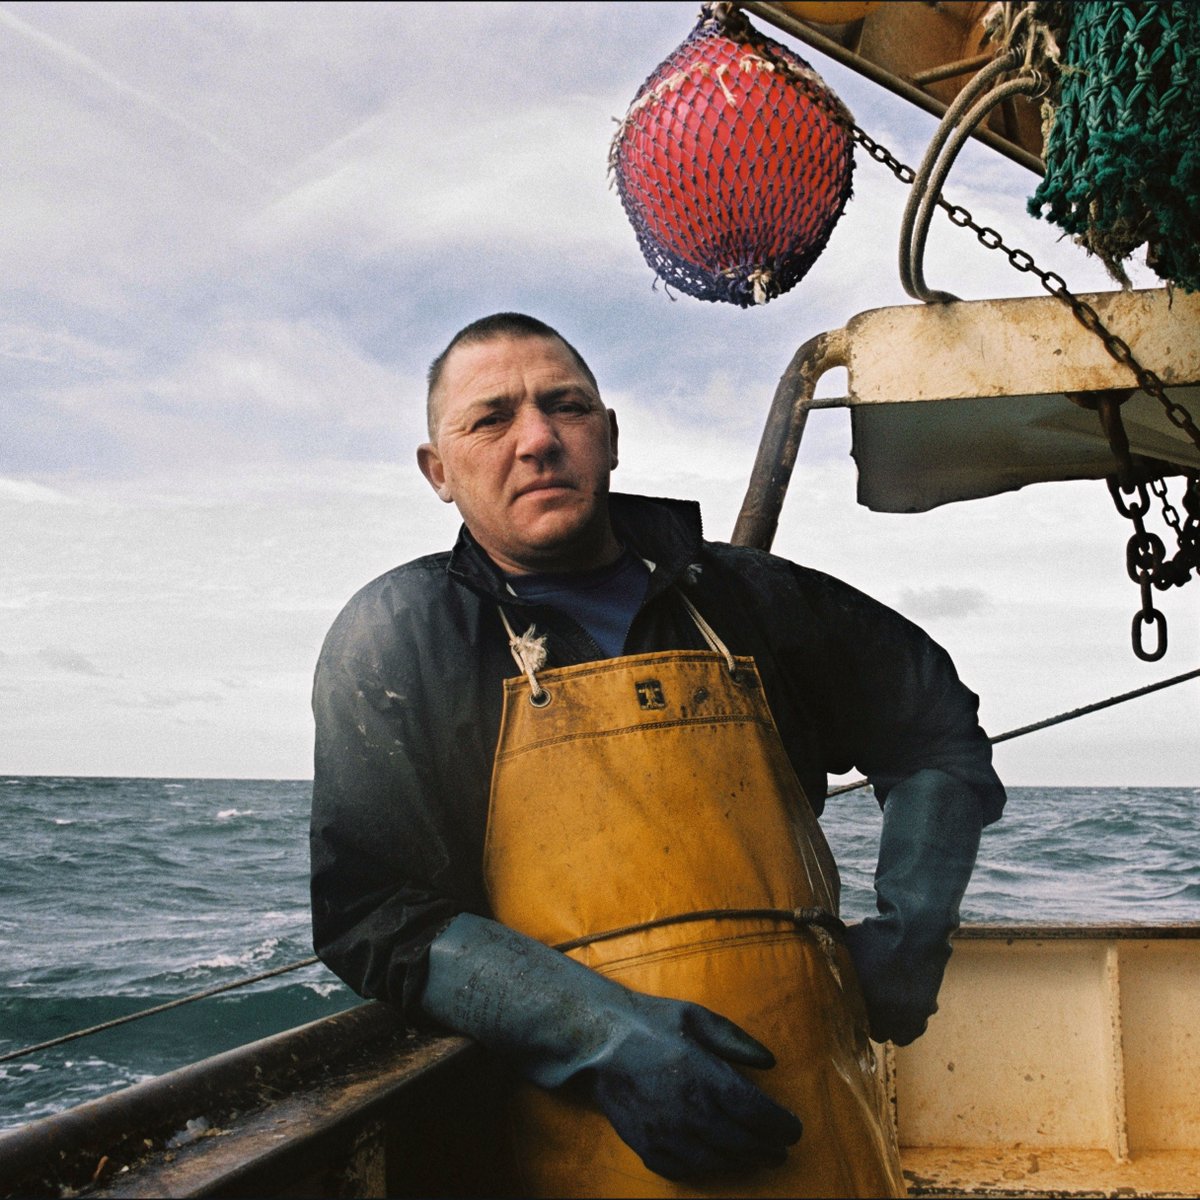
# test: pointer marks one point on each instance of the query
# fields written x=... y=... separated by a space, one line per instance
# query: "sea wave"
x=145 y=898
x=69 y=1074
x=255 y=956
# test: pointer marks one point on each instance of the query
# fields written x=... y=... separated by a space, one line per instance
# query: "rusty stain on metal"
x=964 y=400
x=776 y=459
x=1120 y=1123
x=1062 y=1062
x=918 y=51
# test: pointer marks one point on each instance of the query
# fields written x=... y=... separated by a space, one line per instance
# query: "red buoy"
x=733 y=164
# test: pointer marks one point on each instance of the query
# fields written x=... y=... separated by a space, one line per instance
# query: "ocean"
x=120 y=894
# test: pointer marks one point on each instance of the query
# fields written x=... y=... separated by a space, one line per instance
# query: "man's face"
x=524 y=448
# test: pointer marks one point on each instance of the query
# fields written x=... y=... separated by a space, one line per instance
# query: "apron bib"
x=644 y=818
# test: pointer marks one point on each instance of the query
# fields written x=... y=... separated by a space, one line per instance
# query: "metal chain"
x=1175 y=572
x=1146 y=559
x=1144 y=556
x=1054 y=283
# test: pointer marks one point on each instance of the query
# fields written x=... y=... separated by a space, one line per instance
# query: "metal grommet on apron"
x=648 y=822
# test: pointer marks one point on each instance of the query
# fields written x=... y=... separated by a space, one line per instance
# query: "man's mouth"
x=544 y=485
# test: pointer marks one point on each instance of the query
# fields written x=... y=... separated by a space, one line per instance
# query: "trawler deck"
x=1062 y=1062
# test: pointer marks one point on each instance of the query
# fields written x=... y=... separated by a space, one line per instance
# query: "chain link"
x=1144 y=557
x=881 y=154
x=1145 y=554
x=1054 y=283
x=1169 y=511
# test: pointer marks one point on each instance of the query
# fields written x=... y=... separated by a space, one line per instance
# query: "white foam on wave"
x=324 y=990
x=227 y=814
x=63 y=821
x=255 y=956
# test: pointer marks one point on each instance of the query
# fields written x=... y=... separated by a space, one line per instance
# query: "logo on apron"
x=650 y=693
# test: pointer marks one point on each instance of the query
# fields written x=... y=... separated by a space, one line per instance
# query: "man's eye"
x=490 y=419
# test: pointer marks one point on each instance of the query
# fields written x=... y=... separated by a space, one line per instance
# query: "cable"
x=855 y=784
x=148 y=1012
x=308 y=962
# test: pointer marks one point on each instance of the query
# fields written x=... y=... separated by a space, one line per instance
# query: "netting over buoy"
x=733 y=164
x=1123 y=151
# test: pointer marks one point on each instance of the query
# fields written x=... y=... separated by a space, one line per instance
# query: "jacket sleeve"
x=897 y=705
x=389 y=859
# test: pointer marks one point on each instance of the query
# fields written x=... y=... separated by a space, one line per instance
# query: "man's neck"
x=581 y=560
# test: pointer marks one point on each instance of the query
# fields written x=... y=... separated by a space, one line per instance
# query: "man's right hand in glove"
x=662 y=1071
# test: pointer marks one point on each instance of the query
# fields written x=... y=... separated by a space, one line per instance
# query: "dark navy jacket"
x=407 y=701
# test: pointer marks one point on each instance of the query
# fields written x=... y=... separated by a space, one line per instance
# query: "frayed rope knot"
x=529 y=653
x=529 y=649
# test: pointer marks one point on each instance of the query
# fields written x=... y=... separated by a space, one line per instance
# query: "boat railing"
x=1062 y=1061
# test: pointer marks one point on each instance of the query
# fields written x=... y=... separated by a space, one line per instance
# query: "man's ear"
x=612 y=440
x=430 y=462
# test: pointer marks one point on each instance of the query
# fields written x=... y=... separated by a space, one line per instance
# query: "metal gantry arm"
x=965 y=400
x=776 y=459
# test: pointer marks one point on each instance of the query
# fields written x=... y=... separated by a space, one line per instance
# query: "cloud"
x=925 y=603
x=170 y=698
x=68 y=660
x=213 y=386
x=534 y=178
x=77 y=61
x=25 y=491
x=28 y=343
x=259 y=388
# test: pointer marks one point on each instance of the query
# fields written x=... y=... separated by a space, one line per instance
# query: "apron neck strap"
x=709 y=634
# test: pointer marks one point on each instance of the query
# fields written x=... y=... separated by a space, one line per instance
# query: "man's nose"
x=535 y=433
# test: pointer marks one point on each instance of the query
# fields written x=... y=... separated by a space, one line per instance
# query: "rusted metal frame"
x=91 y=1143
x=999 y=931
x=361 y=1133
x=950 y=70
x=901 y=87
x=1118 y=1111
x=794 y=397
x=1106 y=403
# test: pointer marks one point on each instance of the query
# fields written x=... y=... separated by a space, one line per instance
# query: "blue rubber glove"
x=658 y=1069
x=927 y=850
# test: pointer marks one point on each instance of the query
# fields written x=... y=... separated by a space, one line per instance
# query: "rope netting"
x=733 y=163
x=1123 y=148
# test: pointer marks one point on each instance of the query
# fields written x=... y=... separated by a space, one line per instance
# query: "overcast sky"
x=233 y=237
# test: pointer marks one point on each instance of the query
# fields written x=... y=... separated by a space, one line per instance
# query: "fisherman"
x=604 y=862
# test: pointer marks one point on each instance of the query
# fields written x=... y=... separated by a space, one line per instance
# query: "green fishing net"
x=1123 y=150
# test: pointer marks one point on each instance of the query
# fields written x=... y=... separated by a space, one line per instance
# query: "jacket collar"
x=668 y=533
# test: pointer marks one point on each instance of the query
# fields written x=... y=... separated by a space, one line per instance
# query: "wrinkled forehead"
x=502 y=365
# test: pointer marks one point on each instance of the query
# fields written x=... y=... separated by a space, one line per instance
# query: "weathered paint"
x=963 y=400
x=1015 y=347
x=959 y=401
x=1062 y=1062
x=1058 y=1065
x=923 y=52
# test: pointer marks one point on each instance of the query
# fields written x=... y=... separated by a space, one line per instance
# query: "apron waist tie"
x=802 y=918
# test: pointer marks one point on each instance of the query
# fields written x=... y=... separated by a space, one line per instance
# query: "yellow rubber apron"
x=644 y=817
